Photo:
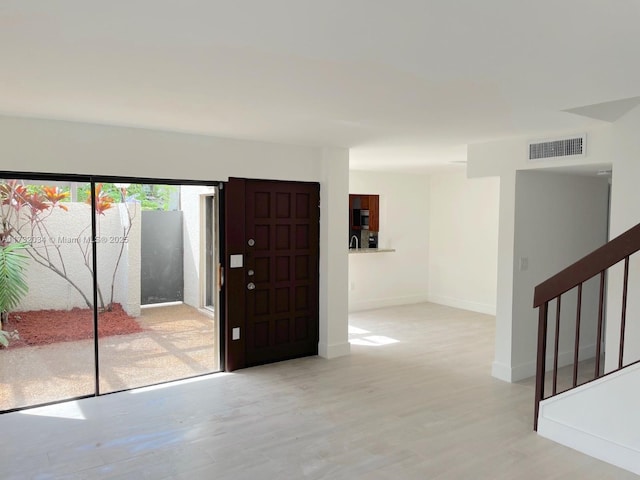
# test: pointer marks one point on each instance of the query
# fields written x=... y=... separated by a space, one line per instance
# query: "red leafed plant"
x=103 y=201
x=54 y=195
x=24 y=210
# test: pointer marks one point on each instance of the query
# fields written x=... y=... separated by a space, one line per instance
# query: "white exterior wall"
x=395 y=278
x=70 y=230
x=191 y=204
x=128 y=275
x=463 y=241
x=69 y=147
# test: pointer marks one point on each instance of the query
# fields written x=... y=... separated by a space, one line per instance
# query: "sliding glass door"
x=106 y=286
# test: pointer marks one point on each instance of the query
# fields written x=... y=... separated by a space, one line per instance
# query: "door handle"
x=251 y=286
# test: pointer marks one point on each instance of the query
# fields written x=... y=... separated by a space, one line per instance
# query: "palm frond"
x=13 y=283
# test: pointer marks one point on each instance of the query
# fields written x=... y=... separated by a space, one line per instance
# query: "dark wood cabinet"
x=374 y=213
x=358 y=205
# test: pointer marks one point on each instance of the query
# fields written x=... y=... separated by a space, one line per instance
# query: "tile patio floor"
x=178 y=342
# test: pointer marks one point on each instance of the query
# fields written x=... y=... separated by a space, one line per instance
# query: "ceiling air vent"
x=567 y=147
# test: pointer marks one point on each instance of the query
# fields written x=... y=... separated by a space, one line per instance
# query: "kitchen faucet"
x=353 y=237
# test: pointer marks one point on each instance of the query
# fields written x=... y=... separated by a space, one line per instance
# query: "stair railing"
x=595 y=264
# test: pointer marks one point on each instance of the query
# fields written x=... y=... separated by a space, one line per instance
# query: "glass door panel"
x=151 y=324
x=47 y=351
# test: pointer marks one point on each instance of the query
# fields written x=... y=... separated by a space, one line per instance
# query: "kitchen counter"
x=371 y=250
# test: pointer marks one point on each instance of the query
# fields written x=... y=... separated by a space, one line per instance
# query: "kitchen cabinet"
x=364 y=212
x=374 y=213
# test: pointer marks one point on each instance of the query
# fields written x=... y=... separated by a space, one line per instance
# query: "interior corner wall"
x=463 y=241
x=53 y=146
x=559 y=218
x=625 y=213
x=504 y=158
x=393 y=278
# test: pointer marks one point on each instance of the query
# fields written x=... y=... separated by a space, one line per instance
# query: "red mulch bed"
x=42 y=327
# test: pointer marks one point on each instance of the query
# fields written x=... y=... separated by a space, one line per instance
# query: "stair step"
x=599 y=419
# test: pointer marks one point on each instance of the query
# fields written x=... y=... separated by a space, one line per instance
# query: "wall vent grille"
x=557 y=148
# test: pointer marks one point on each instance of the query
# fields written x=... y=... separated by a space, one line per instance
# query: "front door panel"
x=280 y=271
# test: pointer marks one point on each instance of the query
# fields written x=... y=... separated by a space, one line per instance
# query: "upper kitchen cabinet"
x=364 y=212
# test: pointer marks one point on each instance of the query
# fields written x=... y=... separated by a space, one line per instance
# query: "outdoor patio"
x=178 y=341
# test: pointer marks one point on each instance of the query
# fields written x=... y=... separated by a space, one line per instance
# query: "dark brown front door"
x=273 y=297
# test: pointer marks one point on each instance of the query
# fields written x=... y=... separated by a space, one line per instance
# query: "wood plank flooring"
x=415 y=400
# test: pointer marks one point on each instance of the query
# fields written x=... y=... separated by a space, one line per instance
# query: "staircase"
x=599 y=418
x=597 y=415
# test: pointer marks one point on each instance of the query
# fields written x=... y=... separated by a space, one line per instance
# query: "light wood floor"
x=415 y=400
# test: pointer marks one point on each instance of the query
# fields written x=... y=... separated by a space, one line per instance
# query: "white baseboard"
x=334 y=351
x=592 y=445
x=386 y=302
x=501 y=371
x=462 y=304
x=528 y=369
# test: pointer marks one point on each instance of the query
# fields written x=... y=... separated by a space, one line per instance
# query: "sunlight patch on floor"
x=68 y=410
x=374 y=341
x=357 y=331
x=360 y=336
x=161 y=386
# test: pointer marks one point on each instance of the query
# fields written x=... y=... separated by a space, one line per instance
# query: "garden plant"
x=24 y=213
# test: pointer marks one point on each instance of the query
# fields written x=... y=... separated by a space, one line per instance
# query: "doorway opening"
x=210 y=256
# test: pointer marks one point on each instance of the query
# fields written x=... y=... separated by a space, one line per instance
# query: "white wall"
x=503 y=159
x=70 y=147
x=559 y=218
x=334 y=196
x=127 y=289
x=463 y=241
x=625 y=213
x=400 y=277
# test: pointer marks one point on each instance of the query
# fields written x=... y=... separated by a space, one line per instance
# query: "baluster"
x=624 y=310
x=600 y=318
x=576 y=350
x=540 y=366
x=556 y=346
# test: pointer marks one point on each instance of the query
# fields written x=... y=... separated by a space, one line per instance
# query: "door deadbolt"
x=251 y=242
x=251 y=273
x=251 y=286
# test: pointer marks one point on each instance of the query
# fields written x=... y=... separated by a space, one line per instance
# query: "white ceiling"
x=405 y=84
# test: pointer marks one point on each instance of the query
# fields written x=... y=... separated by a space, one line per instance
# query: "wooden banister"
x=589 y=266
x=593 y=265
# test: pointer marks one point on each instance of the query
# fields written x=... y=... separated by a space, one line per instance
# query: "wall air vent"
x=566 y=147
